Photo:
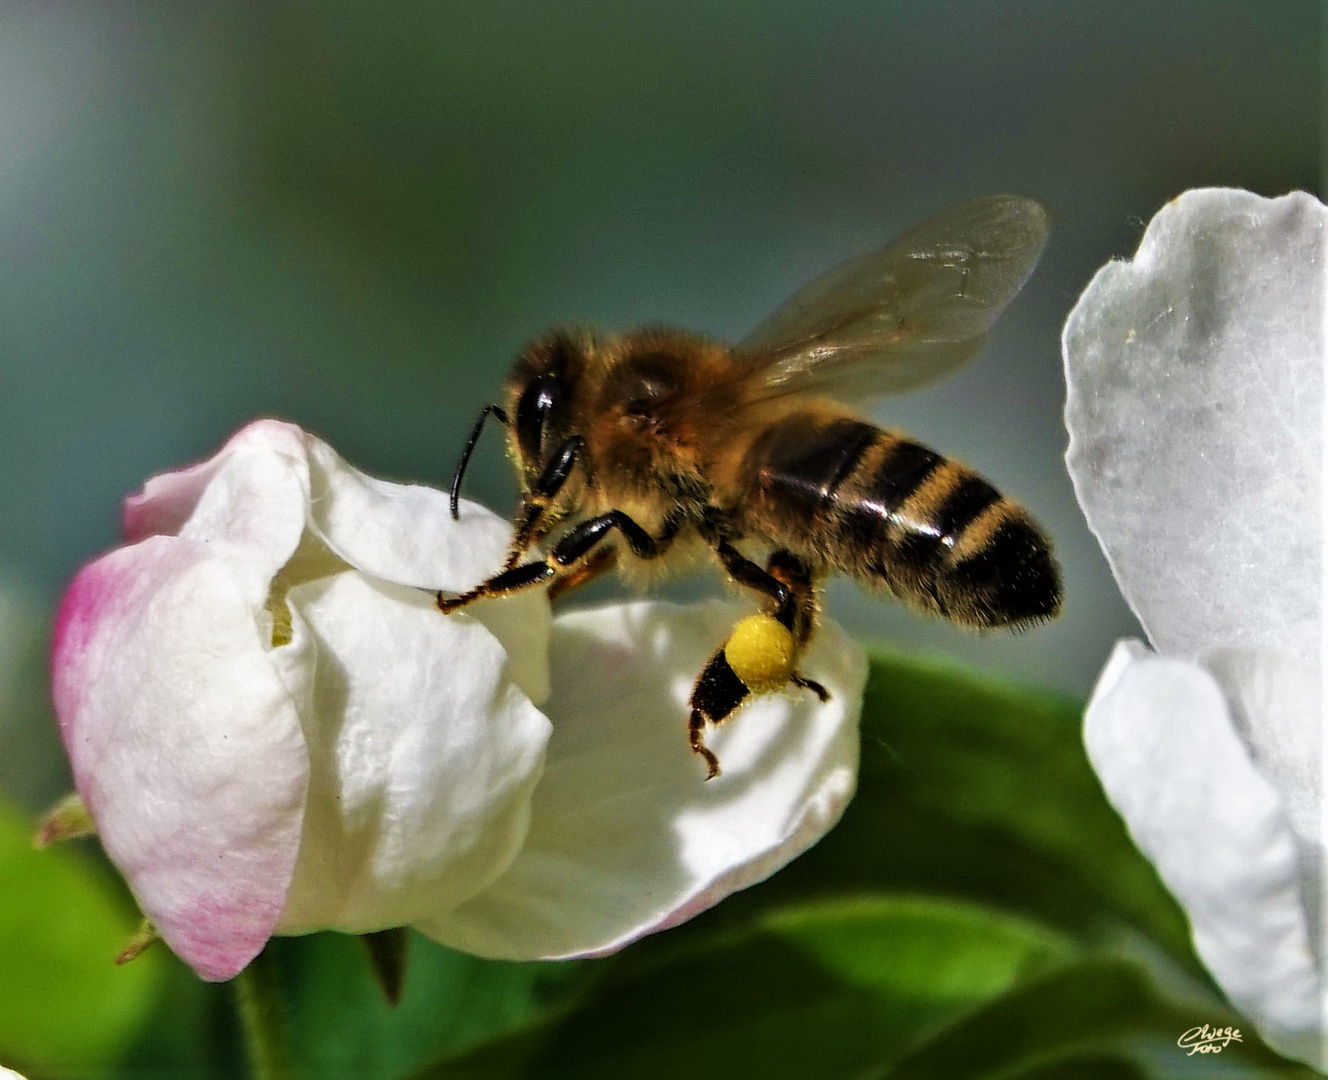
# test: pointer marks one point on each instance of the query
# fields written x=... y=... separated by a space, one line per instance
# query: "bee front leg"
x=527 y=527
x=538 y=500
x=581 y=542
x=509 y=581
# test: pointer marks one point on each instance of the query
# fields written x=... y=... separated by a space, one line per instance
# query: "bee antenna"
x=485 y=413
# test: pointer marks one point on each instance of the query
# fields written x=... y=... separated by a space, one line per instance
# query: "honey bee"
x=637 y=446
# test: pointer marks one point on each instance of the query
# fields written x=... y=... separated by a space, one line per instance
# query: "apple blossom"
x=1196 y=378
x=276 y=731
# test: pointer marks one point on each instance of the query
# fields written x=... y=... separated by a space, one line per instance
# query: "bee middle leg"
x=584 y=539
x=760 y=654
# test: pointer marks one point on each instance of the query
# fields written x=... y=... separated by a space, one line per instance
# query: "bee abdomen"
x=886 y=510
x=798 y=464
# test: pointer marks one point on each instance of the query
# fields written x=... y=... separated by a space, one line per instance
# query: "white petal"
x=1161 y=738
x=424 y=754
x=1196 y=381
x=405 y=534
x=401 y=532
x=627 y=837
x=184 y=745
x=1276 y=702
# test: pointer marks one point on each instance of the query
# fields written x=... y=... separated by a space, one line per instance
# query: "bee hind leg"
x=801 y=619
x=812 y=685
x=757 y=658
x=799 y=614
x=695 y=732
x=717 y=694
x=760 y=654
x=781 y=595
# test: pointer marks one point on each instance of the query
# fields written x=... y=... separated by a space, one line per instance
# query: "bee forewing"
x=906 y=315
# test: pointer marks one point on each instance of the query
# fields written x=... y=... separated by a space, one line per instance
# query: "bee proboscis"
x=636 y=446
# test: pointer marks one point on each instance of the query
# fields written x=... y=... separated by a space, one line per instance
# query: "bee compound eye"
x=533 y=412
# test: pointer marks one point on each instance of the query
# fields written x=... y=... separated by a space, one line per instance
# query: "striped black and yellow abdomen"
x=881 y=508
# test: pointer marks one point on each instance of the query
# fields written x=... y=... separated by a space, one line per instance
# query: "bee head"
x=540 y=394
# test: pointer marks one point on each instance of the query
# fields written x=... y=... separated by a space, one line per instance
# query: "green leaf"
x=1091 y=1008
x=826 y=990
x=342 y=1025
x=908 y=946
x=65 y=1007
x=1084 y=1067
x=872 y=989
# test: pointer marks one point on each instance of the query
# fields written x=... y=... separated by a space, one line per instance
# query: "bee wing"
x=907 y=314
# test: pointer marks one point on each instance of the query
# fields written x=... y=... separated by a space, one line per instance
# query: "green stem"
x=258 y=1003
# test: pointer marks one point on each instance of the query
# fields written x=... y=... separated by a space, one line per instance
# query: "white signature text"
x=1206 y=1040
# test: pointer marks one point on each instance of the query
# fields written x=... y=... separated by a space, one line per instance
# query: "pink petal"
x=184 y=744
x=247 y=503
x=169 y=499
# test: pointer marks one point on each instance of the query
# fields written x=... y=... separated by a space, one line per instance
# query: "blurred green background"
x=352 y=215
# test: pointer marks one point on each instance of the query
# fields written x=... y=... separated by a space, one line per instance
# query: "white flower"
x=1195 y=410
x=276 y=731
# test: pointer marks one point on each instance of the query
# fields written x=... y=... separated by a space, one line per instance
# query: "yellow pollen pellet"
x=761 y=653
